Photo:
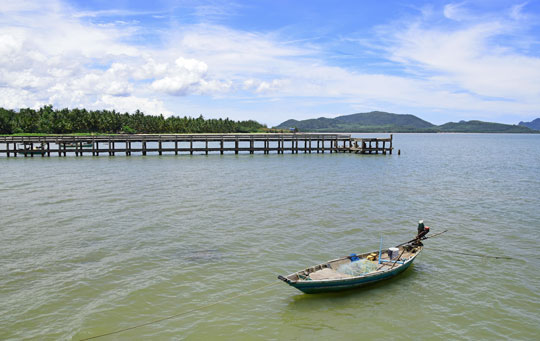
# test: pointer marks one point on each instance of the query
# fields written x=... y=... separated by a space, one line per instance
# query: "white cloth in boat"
x=327 y=273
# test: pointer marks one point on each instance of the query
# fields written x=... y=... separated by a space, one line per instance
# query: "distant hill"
x=481 y=127
x=381 y=122
x=535 y=124
x=375 y=121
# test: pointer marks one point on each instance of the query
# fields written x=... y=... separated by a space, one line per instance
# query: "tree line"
x=48 y=120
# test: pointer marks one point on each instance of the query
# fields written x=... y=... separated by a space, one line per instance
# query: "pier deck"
x=142 y=144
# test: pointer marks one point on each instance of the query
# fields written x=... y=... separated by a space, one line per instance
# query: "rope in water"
x=473 y=254
x=179 y=314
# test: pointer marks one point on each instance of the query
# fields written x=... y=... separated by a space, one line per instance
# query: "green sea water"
x=96 y=244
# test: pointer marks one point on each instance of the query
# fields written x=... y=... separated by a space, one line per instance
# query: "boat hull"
x=316 y=287
x=315 y=280
x=31 y=152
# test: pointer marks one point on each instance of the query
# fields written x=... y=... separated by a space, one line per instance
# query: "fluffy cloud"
x=184 y=75
x=49 y=55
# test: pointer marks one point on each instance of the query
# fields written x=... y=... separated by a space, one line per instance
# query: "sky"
x=275 y=60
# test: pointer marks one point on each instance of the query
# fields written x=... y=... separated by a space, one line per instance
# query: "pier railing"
x=143 y=144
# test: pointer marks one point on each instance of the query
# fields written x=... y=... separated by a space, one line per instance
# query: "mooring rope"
x=472 y=254
x=179 y=314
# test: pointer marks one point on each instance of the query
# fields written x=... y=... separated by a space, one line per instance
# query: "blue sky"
x=274 y=60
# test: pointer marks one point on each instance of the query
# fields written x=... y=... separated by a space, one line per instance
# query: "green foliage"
x=47 y=120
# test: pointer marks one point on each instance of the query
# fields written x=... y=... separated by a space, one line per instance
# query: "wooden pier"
x=141 y=144
x=371 y=145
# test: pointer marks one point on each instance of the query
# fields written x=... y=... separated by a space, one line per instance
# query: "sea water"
x=91 y=245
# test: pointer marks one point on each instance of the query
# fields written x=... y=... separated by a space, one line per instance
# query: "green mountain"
x=383 y=122
x=375 y=121
x=534 y=124
x=481 y=127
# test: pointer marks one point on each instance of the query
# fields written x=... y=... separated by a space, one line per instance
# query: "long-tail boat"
x=355 y=270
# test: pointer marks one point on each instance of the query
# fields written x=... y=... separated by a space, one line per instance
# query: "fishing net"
x=358 y=268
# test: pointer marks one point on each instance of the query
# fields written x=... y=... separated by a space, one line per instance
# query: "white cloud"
x=468 y=60
x=516 y=12
x=185 y=75
x=454 y=11
x=55 y=57
x=131 y=104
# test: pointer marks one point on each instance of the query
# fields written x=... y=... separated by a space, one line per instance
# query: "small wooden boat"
x=355 y=270
x=79 y=144
x=28 y=149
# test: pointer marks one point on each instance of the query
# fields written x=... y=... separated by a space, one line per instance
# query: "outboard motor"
x=422 y=231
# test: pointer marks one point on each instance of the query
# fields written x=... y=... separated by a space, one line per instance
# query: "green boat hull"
x=316 y=287
x=312 y=280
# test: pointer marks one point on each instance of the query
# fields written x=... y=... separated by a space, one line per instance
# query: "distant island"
x=384 y=122
x=535 y=124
